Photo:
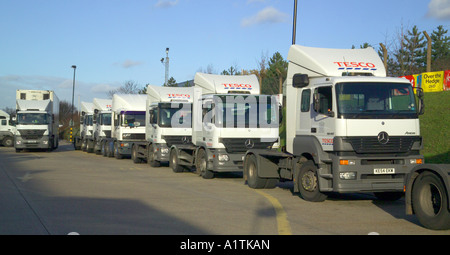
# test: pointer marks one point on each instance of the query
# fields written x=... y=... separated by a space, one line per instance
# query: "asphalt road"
x=67 y=191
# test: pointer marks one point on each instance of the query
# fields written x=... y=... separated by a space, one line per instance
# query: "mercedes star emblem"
x=383 y=137
x=249 y=143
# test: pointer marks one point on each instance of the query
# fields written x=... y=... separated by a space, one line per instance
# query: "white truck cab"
x=349 y=128
x=87 y=126
x=102 y=124
x=168 y=116
x=37 y=120
x=7 y=130
x=229 y=117
x=128 y=124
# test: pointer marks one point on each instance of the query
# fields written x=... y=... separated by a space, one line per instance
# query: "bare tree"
x=129 y=87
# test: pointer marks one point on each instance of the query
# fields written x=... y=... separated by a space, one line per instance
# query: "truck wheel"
x=173 y=162
x=109 y=150
x=430 y=202
x=103 y=149
x=8 y=141
x=89 y=146
x=307 y=183
x=134 y=155
x=251 y=174
x=151 y=157
x=117 y=155
x=201 y=162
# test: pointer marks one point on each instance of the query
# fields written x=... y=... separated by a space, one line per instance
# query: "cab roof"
x=317 y=62
x=226 y=84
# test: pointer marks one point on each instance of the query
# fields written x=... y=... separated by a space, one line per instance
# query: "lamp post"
x=166 y=62
x=294 y=27
x=73 y=92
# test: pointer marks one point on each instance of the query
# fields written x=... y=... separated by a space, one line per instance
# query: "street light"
x=166 y=62
x=73 y=90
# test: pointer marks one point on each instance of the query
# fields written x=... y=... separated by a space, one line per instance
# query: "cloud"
x=439 y=9
x=130 y=63
x=166 y=3
x=267 y=15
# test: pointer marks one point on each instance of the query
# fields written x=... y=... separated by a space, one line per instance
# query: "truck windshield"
x=105 y=119
x=133 y=119
x=32 y=119
x=175 y=115
x=249 y=111
x=88 y=120
x=375 y=100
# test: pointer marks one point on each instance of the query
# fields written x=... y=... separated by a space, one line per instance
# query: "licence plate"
x=384 y=171
x=32 y=141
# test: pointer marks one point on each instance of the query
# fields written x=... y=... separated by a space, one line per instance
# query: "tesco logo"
x=355 y=64
x=180 y=95
x=236 y=85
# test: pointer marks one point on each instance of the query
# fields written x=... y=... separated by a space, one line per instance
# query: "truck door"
x=305 y=113
x=323 y=116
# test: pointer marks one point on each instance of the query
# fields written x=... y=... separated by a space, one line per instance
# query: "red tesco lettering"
x=355 y=64
x=236 y=85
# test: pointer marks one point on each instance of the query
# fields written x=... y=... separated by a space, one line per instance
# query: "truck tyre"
x=252 y=178
x=103 y=149
x=117 y=155
x=173 y=162
x=200 y=164
x=83 y=145
x=151 y=157
x=134 y=155
x=430 y=202
x=109 y=150
x=89 y=146
x=8 y=141
x=307 y=183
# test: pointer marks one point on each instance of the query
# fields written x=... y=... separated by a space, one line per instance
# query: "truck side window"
x=306 y=100
x=326 y=99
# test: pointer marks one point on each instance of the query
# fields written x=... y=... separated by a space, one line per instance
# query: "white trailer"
x=7 y=130
x=128 y=124
x=349 y=128
x=37 y=120
x=229 y=117
x=102 y=124
x=168 y=116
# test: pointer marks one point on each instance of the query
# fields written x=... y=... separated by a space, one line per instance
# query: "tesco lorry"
x=229 y=117
x=127 y=124
x=168 y=116
x=7 y=129
x=349 y=128
x=37 y=120
x=102 y=124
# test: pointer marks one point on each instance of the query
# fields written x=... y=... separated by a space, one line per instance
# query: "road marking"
x=284 y=228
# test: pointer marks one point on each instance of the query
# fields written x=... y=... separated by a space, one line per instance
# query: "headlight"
x=347 y=175
x=44 y=142
x=164 y=150
x=18 y=142
x=223 y=157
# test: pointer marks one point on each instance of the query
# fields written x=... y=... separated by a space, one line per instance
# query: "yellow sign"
x=432 y=81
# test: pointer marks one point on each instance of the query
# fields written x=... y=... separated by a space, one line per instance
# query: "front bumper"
x=38 y=143
x=356 y=174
